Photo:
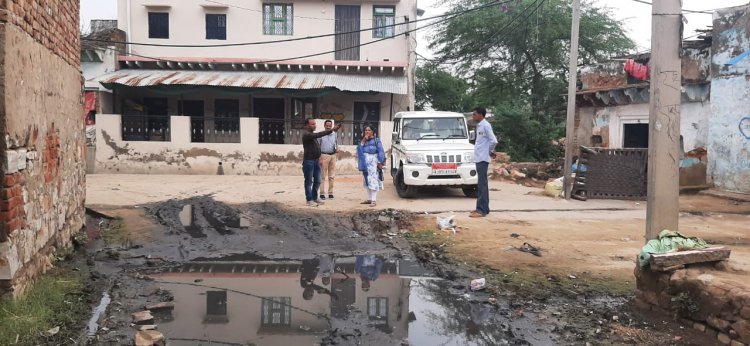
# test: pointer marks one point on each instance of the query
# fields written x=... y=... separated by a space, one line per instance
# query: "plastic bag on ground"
x=446 y=223
x=554 y=188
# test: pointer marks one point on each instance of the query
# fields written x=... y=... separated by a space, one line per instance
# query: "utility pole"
x=664 y=118
x=572 y=79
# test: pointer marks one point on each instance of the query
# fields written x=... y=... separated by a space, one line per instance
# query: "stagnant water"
x=365 y=299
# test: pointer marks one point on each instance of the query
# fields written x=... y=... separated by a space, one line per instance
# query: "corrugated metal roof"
x=258 y=79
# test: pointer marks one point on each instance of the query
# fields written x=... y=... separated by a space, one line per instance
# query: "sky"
x=637 y=16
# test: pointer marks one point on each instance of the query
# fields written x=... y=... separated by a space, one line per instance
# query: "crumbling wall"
x=42 y=154
x=703 y=296
x=729 y=131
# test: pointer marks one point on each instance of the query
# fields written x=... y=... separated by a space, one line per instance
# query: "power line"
x=453 y=15
x=683 y=10
x=490 y=4
x=498 y=32
x=260 y=11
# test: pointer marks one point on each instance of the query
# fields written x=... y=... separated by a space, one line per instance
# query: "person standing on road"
x=484 y=151
x=311 y=161
x=329 y=149
x=371 y=159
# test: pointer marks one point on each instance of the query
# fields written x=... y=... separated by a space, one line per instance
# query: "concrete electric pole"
x=664 y=118
x=572 y=79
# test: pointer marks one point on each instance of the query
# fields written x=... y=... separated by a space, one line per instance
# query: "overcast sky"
x=637 y=16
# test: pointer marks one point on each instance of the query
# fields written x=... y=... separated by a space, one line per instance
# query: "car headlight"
x=469 y=156
x=416 y=158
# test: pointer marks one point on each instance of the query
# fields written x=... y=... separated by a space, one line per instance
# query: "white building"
x=358 y=70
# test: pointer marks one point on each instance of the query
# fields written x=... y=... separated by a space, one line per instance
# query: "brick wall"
x=42 y=156
x=53 y=23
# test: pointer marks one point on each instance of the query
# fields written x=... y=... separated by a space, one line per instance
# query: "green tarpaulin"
x=669 y=241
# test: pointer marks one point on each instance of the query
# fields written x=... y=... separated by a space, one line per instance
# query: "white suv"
x=432 y=149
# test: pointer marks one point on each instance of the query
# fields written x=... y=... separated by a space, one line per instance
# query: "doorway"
x=347 y=20
x=365 y=114
x=635 y=135
x=271 y=122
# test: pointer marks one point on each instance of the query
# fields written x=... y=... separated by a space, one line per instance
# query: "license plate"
x=444 y=168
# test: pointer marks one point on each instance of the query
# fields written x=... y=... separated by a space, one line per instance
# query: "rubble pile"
x=527 y=173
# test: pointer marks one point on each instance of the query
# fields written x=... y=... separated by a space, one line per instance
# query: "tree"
x=515 y=58
x=439 y=90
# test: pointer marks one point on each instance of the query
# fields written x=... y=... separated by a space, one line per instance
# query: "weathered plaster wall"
x=43 y=190
x=607 y=122
x=180 y=156
x=729 y=133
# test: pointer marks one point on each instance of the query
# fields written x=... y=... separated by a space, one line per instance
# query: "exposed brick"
x=9 y=181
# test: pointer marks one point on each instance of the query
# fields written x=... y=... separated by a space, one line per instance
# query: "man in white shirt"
x=328 y=150
x=484 y=152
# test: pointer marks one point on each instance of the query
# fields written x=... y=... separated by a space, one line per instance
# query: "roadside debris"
x=447 y=223
x=149 y=338
x=526 y=247
x=53 y=331
x=160 y=306
x=142 y=317
x=478 y=284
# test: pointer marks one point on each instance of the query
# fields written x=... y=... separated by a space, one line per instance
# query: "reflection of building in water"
x=275 y=311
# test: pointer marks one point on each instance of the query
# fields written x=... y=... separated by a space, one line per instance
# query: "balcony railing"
x=214 y=130
x=281 y=131
x=155 y=128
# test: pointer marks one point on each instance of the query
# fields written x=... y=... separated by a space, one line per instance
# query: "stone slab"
x=669 y=261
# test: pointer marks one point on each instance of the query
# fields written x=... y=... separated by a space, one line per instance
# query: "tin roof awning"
x=256 y=79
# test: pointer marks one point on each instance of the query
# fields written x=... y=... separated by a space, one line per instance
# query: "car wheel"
x=403 y=190
x=470 y=191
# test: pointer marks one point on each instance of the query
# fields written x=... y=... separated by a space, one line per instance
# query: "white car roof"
x=428 y=114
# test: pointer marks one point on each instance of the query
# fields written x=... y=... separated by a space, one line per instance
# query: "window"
x=383 y=20
x=277 y=19
x=276 y=311
x=216 y=26
x=377 y=308
x=158 y=25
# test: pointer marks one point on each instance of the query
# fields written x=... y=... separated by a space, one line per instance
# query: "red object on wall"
x=637 y=70
x=89 y=105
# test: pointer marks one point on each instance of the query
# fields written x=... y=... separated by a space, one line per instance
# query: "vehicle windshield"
x=433 y=128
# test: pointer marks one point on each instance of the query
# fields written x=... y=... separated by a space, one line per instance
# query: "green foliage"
x=523 y=136
x=440 y=90
x=515 y=63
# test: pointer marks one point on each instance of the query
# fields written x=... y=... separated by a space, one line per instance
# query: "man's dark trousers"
x=311 y=170
x=483 y=191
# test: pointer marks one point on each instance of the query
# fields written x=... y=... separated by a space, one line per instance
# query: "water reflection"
x=296 y=303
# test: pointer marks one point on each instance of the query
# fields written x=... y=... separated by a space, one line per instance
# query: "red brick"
x=9 y=181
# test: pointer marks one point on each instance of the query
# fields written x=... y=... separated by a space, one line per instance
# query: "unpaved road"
x=188 y=237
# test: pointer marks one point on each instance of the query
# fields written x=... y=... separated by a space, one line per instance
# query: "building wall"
x=42 y=155
x=607 y=122
x=729 y=140
x=180 y=156
x=245 y=24
x=95 y=69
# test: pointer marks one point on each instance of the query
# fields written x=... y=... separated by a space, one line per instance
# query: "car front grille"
x=443 y=158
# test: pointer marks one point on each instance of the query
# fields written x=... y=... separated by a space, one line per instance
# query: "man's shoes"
x=323 y=197
x=330 y=196
x=318 y=201
x=476 y=214
x=311 y=204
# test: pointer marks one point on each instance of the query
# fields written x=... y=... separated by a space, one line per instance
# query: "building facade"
x=202 y=74
x=42 y=155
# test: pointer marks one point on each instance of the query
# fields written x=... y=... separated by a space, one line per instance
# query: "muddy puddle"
x=364 y=299
x=260 y=274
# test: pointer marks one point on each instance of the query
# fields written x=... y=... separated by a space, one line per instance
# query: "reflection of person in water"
x=309 y=272
x=326 y=269
x=368 y=267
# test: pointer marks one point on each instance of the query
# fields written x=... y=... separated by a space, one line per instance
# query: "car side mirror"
x=472 y=135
